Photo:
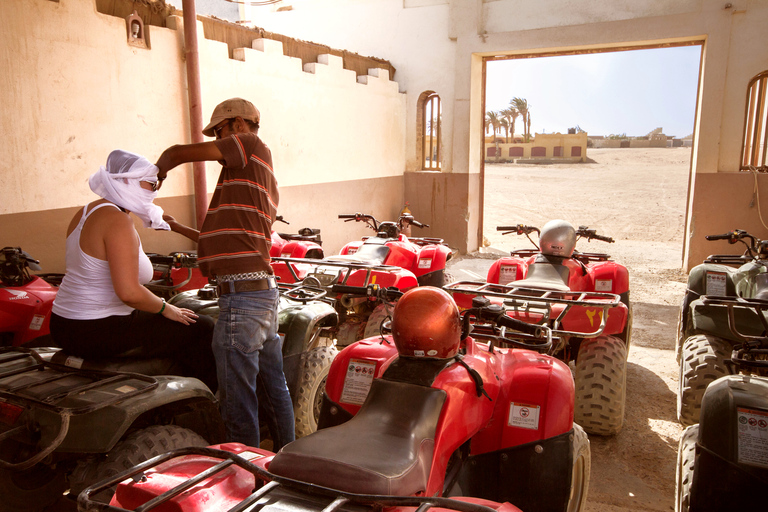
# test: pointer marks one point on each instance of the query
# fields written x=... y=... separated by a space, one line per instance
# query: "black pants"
x=154 y=335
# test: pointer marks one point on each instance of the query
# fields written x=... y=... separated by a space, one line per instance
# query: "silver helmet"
x=558 y=238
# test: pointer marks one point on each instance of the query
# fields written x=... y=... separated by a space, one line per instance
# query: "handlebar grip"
x=604 y=238
x=347 y=215
x=351 y=290
x=519 y=325
x=726 y=236
x=506 y=228
x=418 y=224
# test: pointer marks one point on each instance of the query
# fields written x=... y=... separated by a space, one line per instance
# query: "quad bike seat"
x=369 y=252
x=129 y=362
x=546 y=273
x=385 y=449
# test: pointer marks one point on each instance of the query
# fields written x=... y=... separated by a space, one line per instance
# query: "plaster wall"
x=731 y=34
x=73 y=90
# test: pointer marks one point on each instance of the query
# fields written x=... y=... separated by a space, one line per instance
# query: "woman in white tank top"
x=102 y=308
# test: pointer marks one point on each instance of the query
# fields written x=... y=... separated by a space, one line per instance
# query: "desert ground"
x=638 y=197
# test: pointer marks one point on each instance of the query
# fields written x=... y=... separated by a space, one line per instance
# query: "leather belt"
x=246 y=285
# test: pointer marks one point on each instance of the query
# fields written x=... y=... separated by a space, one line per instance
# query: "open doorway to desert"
x=637 y=109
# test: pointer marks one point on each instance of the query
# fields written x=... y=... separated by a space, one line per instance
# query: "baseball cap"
x=229 y=109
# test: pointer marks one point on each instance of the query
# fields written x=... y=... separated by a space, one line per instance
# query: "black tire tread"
x=702 y=361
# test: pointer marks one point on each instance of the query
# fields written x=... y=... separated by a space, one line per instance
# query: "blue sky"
x=632 y=92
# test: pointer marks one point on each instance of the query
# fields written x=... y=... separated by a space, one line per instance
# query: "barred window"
x=753 y=152
x=429 y=130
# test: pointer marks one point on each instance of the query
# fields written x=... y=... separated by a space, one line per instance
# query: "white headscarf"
x=118 y=182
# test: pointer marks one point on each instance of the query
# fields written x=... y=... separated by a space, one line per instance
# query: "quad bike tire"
x=702 y=361
x=582 y=456
x=373 y=326
x=30 y=490
x=686 y=454
x=309 y=396
x=601 y=385
x=137 y=447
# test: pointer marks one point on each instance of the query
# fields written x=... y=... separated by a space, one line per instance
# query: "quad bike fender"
x=535 y=402
x=184 y=401
x=587 y=319
x=605 y=277
x=432 y=258
x=396 y=277
x=27 y=311
x=301 y=249
x=298 y=325
x=507 y=269
x=354 y=369
x=713 y=320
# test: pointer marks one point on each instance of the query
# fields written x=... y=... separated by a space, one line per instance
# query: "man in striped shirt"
x=233 y=248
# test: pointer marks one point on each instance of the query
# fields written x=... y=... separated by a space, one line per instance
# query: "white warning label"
x=523 y=416
x=37 y=322
x=715 y=283
x=753 y=437
x=358 y=381
x=507 y=274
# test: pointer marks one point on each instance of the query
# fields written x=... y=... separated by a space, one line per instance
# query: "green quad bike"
x=66 y=423
x=704 y=340
x=722 y=461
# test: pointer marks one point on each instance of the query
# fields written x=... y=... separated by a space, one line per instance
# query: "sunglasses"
x=218 y=129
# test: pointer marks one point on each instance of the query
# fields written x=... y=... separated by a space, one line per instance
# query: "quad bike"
x=584 y=297
x=305 y=321
x=25 y=299
x=66 y=423
x=704 y=341
x=306 y=244
x=435 y=416
x=425 y=257
x=389 y=260
x=722 y=462
x=178 y=271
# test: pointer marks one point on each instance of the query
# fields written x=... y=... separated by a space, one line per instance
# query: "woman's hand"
x=182 y=315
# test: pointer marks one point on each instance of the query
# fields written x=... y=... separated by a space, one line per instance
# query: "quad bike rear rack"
x=24 y=373
x=336 y=500
x=325 y=279
x=752 y=353
x=540 y=301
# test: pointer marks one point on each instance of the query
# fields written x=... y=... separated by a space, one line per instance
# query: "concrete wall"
x=442 y=45
x=72 y=90
x=547 y=143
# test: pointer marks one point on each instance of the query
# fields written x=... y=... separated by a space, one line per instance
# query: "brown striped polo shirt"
x=236 y=234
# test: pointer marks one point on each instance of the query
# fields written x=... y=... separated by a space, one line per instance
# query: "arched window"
x=753 y=152
x=428 y=129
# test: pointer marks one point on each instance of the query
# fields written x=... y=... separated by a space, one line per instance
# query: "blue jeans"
x=248 y=353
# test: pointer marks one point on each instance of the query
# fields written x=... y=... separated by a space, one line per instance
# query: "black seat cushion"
x=385 y=449
x=546 y=274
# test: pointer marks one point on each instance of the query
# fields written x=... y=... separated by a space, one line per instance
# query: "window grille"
x=753 y=152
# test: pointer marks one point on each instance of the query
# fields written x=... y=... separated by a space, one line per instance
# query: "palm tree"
x=510 y=113
x=492 y=119
x=504 y=122
x=521 y=105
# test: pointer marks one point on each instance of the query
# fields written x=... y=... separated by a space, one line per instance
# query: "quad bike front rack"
x=23 y=388
x=544 y=302
x=324 y=276
x=334 y=500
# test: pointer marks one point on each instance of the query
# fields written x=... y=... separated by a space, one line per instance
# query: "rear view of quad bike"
x=25 y=299
x=705 y=341
x=305 y=324
x=584 y=299
x=307 y=243
x=437 y=415
x=722 y=461
x=66 y=423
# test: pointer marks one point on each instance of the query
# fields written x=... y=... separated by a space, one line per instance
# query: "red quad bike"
x=473 y=427
x=584 y=298
x=178 y=271
x=425 y=257
x=25 y=299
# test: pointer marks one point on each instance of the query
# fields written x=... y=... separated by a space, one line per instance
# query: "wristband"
x=162 y=308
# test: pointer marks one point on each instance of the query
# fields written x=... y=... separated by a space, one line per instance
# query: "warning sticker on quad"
x=523 y=416
x=357 y=381
x=753 y=437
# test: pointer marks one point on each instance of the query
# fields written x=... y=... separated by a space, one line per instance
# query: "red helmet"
x=426 y=323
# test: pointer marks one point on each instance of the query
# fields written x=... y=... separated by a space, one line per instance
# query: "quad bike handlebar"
x=582 y=232
x=756 y=248
x=405 y=219
x=590 y=234
x=372 y=290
